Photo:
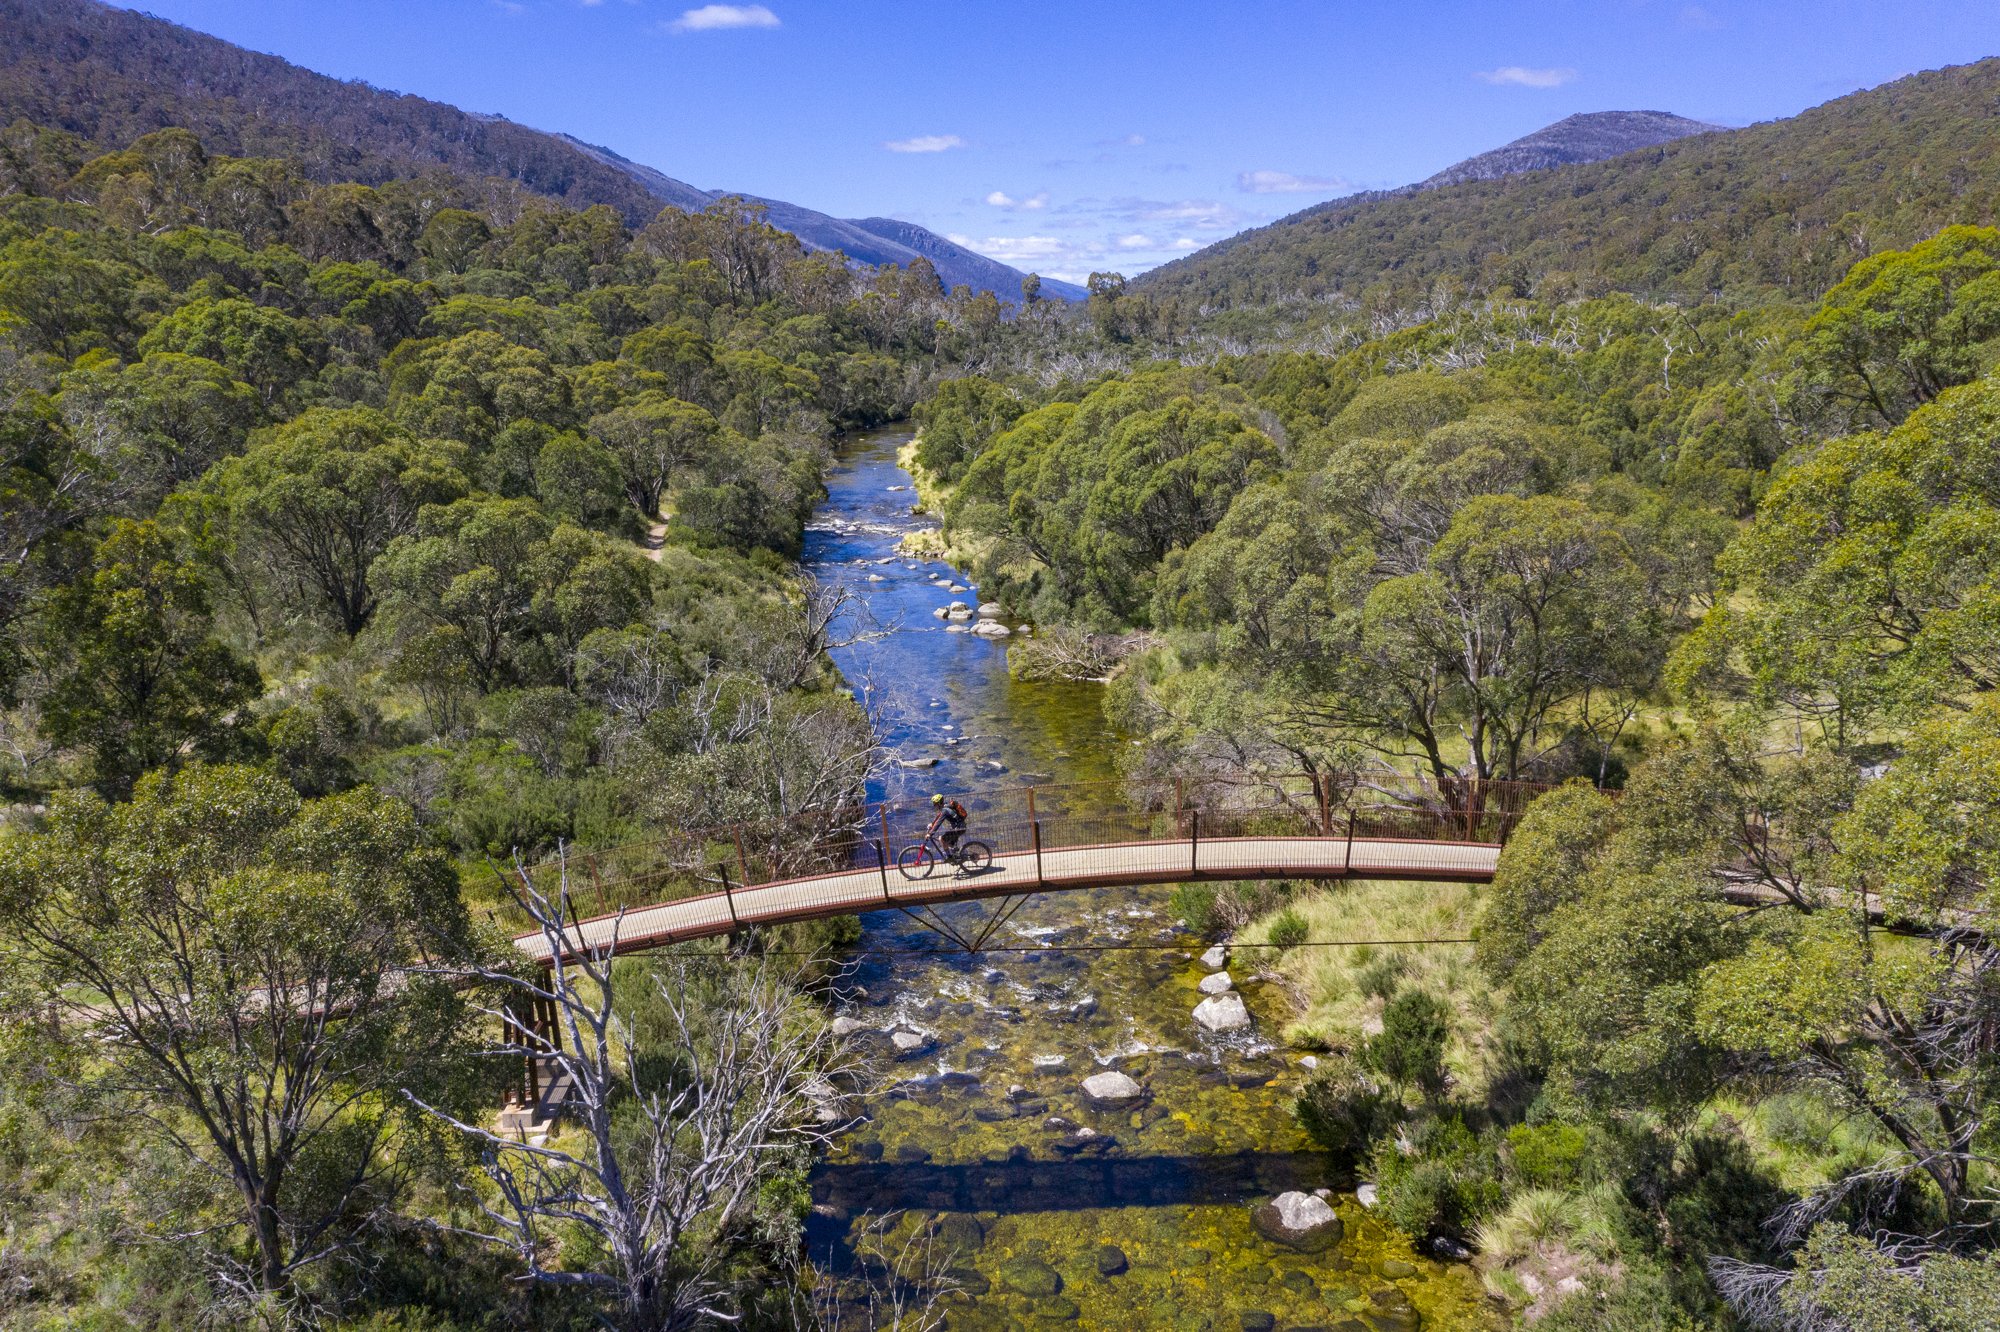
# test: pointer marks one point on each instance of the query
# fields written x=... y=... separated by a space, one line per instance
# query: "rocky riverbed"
x=1058 y=1130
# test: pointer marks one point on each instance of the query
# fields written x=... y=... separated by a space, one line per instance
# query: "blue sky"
x=1093 y=134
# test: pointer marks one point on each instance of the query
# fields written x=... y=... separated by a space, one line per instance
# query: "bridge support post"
x=1347 y=855
x=742 y=861
x=882 y=863
x=1320 y=784
x=729 y=898
x=1035 y=834
x=1194 y=841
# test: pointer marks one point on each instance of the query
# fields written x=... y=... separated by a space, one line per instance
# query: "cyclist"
x=951 y=818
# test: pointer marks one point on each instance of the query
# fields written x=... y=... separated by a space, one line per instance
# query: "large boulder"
x=1111 y=1088
x=1298 y=1221
x=1216 y=982
x=1216 y=958
x=1222 y=1012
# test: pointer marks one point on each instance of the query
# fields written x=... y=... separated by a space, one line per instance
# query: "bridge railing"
x=1025 y=819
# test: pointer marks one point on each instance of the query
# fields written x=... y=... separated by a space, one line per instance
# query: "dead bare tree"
x=673 y=1134
x=907 y=1288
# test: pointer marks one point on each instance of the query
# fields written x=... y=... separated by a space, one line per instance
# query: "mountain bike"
x=918 y=860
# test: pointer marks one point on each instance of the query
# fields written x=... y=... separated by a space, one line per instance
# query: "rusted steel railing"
x=1035 y=821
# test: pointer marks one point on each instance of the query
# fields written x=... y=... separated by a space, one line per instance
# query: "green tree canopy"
x=322 y=496
x=240 y=974
x=138 y=679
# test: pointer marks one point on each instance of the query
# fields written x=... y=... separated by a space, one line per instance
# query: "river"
x=1049 y=1212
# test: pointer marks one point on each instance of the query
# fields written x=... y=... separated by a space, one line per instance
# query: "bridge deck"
x=1053 y=869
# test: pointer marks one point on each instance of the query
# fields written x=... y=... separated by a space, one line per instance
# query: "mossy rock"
x=1059 y=1307
x=1111 y=1260
x=969 y=1281
x=1031 y=1277
x=1394 y=1320
x=958 y=1233
x=1395 y=1269
x=1256 y=1320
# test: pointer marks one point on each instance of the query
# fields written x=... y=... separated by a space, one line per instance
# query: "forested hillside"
x=1722 y=1055
x=1781 y=209
x=109 y=76
x=357 y=540
x=1590 y=136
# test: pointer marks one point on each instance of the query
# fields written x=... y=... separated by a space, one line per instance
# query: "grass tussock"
x=1342 y=990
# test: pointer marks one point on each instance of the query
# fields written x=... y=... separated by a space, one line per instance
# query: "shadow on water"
x=1079 y=1184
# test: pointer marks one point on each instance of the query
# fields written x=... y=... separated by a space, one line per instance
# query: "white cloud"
x=1034 y=203
x=1205 y=214
x=1284 y=182
x=925 y=143
x=1015 y=249
x=1519 y=76
x=715 y=18
x=1136 y=241
x=1185 y=243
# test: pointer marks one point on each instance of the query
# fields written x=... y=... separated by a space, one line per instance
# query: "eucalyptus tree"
x=242 y=977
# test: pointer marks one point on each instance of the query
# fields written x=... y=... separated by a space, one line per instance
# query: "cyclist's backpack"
x=957 y=811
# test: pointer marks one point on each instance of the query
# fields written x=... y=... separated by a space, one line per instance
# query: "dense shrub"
x=1442 y=1184
x=1547 y=1155
x=1409 y=1051
x=1342 y=1108
x=1288 y=930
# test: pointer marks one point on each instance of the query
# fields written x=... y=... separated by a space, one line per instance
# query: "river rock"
x=956 y=629
x=1308 y=1062
x=877 y=578
x=990 y=609
x=1049 y=1063
x=940 y=613
x=1112 y=1089
x=1111 y=1260
x=1298 y=1221
x=1366 y=1195
x=960 y=587
x=1256 y=1320
x=1222 y=1012
x=1450 y=1249
x=958 y=615
x=1216 y=958
x=843 y=1027
x=1031 y=1277
x=931 y=762
x=988 y=629
x=909 y=1044
x=958 y=1233
x=1216 y=983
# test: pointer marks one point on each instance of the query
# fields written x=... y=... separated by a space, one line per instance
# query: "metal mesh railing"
x=1075 y=832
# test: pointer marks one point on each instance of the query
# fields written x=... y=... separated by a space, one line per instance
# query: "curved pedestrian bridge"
x=843 y=862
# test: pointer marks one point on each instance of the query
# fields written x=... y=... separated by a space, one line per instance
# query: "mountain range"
x=111 y=75
x=1589 y=137
x=1786 y=206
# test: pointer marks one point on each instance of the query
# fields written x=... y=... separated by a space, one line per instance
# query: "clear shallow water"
x=983 y=1138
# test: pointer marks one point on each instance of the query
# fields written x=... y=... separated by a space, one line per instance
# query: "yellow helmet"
x=937 y=799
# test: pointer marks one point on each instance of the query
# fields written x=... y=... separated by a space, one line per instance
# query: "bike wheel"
x=974 y=857
x=916 y=862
